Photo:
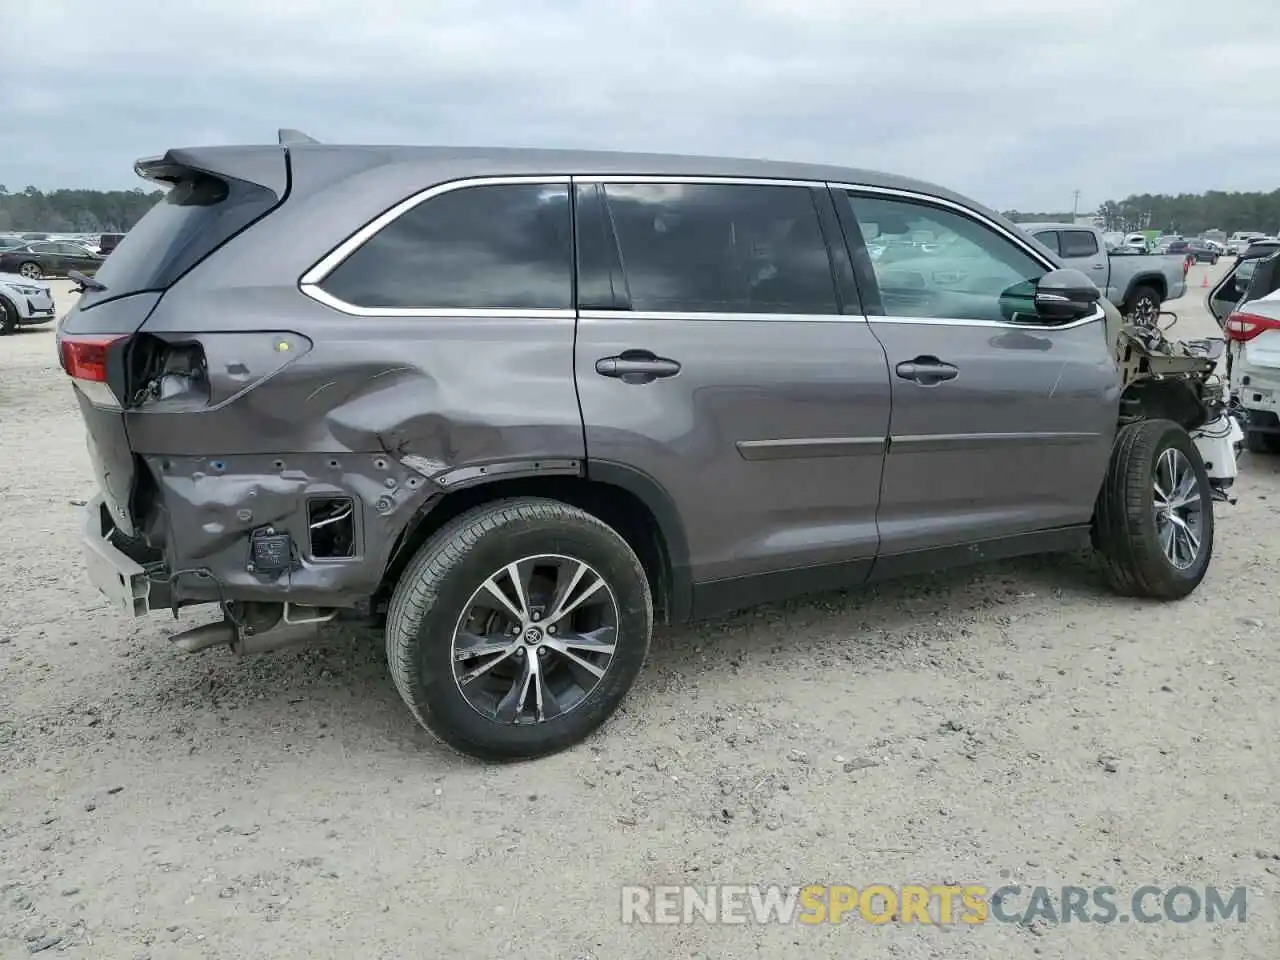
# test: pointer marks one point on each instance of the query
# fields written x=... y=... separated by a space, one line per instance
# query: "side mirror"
x=1065 y=295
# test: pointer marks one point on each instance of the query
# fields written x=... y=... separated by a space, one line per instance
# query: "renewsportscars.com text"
x=934 y=904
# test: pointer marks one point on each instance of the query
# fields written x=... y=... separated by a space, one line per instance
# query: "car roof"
x=438 y=164
x=533 y=161
x=1260 y=248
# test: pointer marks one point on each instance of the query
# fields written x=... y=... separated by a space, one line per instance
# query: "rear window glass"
x=722 y=248
x=497 y=246
x=1079 y=243
x=186 y=225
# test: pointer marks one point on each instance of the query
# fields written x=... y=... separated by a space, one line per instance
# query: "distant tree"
x=74 y=211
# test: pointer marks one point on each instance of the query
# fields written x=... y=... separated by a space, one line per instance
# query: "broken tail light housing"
x=92 y=360
x=1243 y=326
x=85 y=357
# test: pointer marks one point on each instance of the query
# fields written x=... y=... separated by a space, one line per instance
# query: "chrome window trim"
x=1098 y=315
x=707 y=180
x=309 y=282
x=829 y=318
x=721 y=315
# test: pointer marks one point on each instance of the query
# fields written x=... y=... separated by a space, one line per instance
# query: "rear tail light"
x=85 y=357
x=1243 y=326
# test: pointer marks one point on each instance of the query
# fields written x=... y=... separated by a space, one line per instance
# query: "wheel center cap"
x=533 y=636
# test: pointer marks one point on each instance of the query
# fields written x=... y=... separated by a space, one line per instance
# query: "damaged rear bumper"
x=118 y=577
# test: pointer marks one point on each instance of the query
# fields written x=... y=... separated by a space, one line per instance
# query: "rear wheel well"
x=1155 y=283
x=619 y=508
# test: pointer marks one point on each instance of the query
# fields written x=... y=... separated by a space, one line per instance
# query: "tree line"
x=73 y=211
x=1186 y=213
x=116 y=211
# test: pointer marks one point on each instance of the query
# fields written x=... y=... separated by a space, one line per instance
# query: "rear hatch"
x=211 y=195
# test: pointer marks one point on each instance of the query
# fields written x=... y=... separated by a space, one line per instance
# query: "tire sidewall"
x=8 y=317
x=432 y=677
x=1177 y=438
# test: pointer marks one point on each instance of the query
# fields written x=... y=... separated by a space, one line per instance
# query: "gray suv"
x=523 y=403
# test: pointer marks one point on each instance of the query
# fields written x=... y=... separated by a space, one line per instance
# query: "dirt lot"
x=1013 y=724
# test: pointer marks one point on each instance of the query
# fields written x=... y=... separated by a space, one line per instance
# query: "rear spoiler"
x=264 y=166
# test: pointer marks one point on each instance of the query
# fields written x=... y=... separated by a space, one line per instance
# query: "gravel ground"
x=1011 y=724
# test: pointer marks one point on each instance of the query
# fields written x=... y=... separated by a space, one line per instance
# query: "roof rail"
x=288 y=136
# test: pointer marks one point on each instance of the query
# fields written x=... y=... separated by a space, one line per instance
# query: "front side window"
x=1079 y=243
x=939 y=264
x=722 y=248
x=492 y=246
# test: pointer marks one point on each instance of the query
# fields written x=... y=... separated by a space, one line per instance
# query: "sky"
x=1016 y=103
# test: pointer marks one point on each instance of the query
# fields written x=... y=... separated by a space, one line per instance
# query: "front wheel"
x=8 y=317
x=1153 y=521
x=518 y=628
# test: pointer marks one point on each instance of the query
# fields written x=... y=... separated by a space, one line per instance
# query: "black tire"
x=1143 y=305
x=436 y=590
x=1258 y=442
x=1125 y=532
x=8 y=317
x=30 y=271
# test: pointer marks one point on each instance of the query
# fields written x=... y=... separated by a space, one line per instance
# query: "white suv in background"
x=23 y=302
x=1239 y=241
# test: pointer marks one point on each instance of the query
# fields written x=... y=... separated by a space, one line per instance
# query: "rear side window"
x=493 y=246
x=1079 y=243
x=722 y=248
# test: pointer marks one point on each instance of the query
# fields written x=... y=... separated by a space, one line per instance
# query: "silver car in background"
x=23 y=302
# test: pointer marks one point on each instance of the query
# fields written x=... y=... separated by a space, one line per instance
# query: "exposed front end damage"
x=1178 y=380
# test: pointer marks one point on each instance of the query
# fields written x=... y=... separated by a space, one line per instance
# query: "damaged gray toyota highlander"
x=524 y=403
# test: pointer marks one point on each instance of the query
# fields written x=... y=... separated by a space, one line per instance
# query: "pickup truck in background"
x=1137 y=283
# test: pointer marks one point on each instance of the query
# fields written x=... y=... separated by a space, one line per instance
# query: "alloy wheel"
x=1178 y=503
x=535 y=639
x=30 y=271
x=1146 y=311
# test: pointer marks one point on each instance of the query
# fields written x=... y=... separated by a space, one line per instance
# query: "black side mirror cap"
x=1065 y=295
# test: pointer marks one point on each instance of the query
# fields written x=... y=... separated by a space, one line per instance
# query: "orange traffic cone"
x=1204 y=281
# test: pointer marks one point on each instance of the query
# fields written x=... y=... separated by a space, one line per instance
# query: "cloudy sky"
x=1015 y=102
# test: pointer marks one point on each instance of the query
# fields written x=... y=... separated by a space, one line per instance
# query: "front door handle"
x=636 y=366
x=926 y=371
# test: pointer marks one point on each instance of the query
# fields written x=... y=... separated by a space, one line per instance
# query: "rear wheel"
x=518 y=628
x=8 y=317
x=1144 y=306
x=1258 y=442
x=31 y=270
x=1153 y=523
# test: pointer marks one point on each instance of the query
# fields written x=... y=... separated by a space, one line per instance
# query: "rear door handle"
x=636 y=366
x=926 y=371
